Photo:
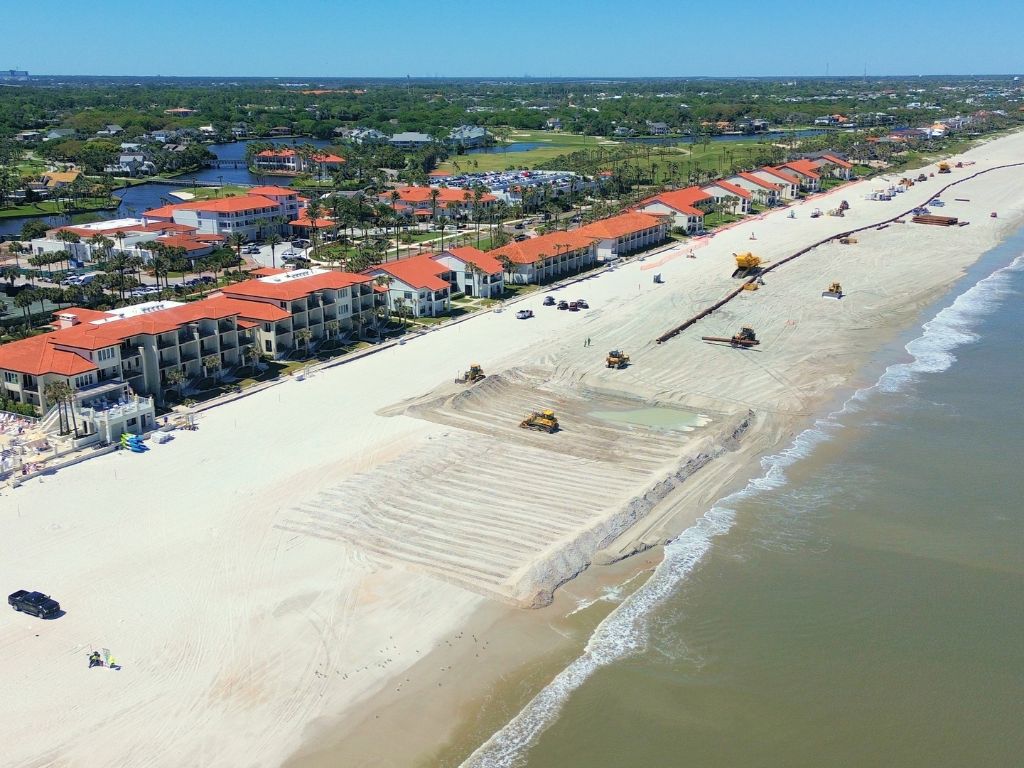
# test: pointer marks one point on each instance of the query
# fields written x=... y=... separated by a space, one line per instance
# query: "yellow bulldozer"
x=747 y=265
x=542 y=421
x=616 y=359
x=475 y=373
x=944 y=168
x=835 y=291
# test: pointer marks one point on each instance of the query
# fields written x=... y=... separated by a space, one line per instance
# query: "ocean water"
x=861 y=603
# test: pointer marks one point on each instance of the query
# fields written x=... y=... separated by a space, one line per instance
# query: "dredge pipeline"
x=734 y=293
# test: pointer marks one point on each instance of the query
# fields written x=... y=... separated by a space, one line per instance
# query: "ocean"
x=860 y=603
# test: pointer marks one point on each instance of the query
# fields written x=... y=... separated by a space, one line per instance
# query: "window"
x=408 y=294
x=10 y=377
x=266 y=328
x=268 y=346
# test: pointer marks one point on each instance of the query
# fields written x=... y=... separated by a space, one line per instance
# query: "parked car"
x=35 y=603
x=524 y=314
x=582 y=304
x=574 y=307
x=520 y=238
x=289 y=252
x=563 y=304
x=251 y=249
x=300 y=243
x=518 y=225
x=549 y=301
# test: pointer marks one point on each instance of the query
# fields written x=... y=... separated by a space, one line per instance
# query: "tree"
x=33 y=229
x=211 y=363
x=303 y=337
x=236 y=240
x=332 y=327
x=61 y=394
x=23 y=301
x=175 y=377
x=273 y=240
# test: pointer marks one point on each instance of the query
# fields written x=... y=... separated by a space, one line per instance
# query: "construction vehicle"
x=844 y=206
x=816 y=213
x=747 y=265
x=835 y=291
x=616 y=359
x=922 y=177
x=542 y=421
x=959 y=165
x=658 y=278
x=944 y=168
x=836 y=212
x=475 y=373
x=745 y=338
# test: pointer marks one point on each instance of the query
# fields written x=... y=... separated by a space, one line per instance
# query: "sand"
x=280 y=574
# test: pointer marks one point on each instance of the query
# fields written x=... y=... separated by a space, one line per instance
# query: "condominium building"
x=623 y=234
x=253 y=215
x=292 y=162
x=424 y=203
x=547 y=257
x=326 y=303
x=473 y=272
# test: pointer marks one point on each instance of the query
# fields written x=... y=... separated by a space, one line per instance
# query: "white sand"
x=301 y=550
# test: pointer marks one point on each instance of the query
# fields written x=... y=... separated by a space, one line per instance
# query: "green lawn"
x=51 y=207
x=555 y=144
x=212 y=193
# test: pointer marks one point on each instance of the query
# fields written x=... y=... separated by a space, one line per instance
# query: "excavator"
x=747 y=265
x=542 y=421
x=617 y=359
x=474 y=374
x=745 y=338
x=835 y=291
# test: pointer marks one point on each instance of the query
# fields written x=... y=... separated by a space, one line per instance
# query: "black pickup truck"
x=35 y=603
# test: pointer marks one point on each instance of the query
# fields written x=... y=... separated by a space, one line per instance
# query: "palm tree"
x=332 y=327
x=24 y=301
x=175 y=377
x=303 y=336
x=61 y=394
x=251 y=352
x=400 y=309
x=435 y=193
x=159 y=262
x=210 y=363
x=236 y=240
x=273 y=240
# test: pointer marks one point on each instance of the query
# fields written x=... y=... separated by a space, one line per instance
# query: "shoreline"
x=491 y=699
x=293 y=601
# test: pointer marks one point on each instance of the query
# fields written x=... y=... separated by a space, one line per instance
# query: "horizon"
x=230 y=40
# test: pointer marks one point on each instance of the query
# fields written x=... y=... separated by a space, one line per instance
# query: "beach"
x=312 y=577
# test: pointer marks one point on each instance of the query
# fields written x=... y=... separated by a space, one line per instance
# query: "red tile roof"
x=681 y=200
x=780 y=175
x=482 y=261
x=277 y=153
x=37 y=355
x=732 y=189
x=805 y=167
x=416 y=271
x=267 y=271
x=295 y=288
x=758 y=181
x=837 y=161
x=275 y=191
x=550 y=245
x=621 y=225
x=220 y=205
x=302 y=221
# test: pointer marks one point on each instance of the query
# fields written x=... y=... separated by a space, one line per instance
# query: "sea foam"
x=623 y=632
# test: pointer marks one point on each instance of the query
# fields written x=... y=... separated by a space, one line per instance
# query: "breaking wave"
x=623 y=632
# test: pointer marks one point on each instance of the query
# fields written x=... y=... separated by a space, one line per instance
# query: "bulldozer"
x=747 y=265
x=616 y=359
x=542 y=421
x=944 y=168
x=474 y=374
x=745 y=338
x=835 y=291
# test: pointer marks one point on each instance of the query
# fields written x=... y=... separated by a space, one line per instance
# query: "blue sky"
x=540 y=38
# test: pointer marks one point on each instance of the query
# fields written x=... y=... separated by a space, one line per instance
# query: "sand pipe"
x=733 y=294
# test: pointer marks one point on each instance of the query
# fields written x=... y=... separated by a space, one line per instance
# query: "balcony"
x=162 y=343
x=228 y=341
x=282 y=330
x=225 y=325
x=185 y=336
